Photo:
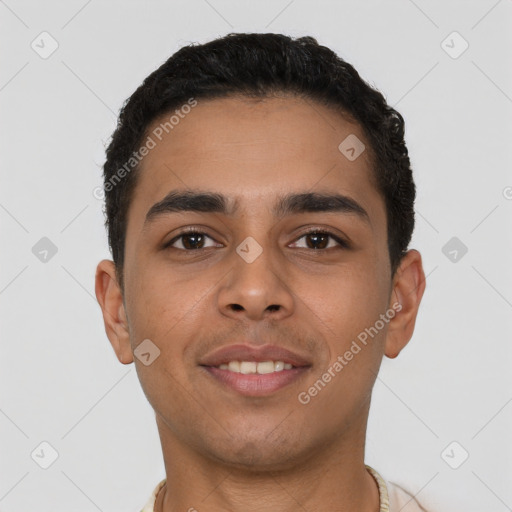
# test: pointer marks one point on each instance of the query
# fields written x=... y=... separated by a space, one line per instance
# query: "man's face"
x=304 y=293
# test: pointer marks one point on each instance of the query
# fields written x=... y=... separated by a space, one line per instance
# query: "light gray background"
x=60 y=381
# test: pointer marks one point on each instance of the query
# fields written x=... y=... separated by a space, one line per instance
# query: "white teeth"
x=252 y=367
x=247 y=367
x=234 y=366
x=279 y=366
x=265 y=367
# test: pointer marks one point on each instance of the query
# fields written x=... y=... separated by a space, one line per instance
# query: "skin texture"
x=222 y=450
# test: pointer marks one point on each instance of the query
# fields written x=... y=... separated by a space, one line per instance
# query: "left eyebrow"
x=317 y=202
x=291 y=204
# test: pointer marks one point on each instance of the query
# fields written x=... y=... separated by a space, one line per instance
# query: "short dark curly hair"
x=259 y=66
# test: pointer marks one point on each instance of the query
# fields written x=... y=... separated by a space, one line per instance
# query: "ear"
x=110 y=299
x=408 y=288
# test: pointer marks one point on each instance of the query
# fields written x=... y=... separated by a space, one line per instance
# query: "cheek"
x=160 y=309
x=348 y=301
x=160 y=302
x=347 y=307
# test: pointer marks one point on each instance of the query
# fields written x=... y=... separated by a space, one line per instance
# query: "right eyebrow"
x=176 y=201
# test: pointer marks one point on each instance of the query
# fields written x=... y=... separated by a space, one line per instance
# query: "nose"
x=256 y=289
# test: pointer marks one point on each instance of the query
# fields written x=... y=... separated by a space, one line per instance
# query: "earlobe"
x=408 y=288
x=110 y=298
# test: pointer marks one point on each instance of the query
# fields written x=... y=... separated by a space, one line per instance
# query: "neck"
x=333 y=477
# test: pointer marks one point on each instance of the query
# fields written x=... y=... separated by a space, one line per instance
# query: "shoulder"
x=150 y=504
x=393 y=497
x=401 y=500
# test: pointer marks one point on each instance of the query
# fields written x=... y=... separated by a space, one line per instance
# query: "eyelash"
x=316 y=231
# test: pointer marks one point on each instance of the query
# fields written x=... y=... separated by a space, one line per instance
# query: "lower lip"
x=256 y=384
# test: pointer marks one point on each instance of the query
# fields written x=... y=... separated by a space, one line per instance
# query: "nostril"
x=274 y=307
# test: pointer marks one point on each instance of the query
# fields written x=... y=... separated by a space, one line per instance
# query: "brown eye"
x=317 y=240
x=321 y=240
x=189 y=241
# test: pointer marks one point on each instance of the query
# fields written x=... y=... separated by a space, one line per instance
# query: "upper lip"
x=250 y=353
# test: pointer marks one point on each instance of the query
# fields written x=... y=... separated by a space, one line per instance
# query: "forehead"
x=251 y=150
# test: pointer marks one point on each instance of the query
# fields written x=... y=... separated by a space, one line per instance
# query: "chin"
x=258 y=455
